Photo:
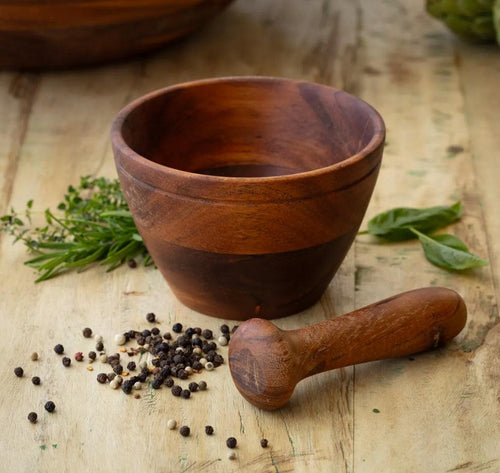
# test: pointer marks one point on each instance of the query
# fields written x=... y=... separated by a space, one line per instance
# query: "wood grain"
x=434 y=412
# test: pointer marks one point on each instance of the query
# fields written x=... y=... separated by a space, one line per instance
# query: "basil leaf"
x=396 y=224
x=448 y=252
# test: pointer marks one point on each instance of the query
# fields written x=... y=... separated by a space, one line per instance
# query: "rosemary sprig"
x=93 y=224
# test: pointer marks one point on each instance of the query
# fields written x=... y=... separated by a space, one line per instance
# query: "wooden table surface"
x=436 y=413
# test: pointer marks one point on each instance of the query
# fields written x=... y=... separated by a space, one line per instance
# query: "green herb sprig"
x=93 y=224
x=443 y=250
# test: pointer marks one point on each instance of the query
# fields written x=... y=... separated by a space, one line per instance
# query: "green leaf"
x=396 y=224
x=448 y=252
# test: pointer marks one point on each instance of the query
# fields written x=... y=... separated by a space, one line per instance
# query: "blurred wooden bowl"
x=37 y=34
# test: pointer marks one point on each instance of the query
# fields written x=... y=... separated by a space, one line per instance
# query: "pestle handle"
x=266 y=363
x=407 y=323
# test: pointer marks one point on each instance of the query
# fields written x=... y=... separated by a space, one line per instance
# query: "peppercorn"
x=167 y=336
x=92 y=355
x=171 y=424
x=114 y=384
x=177 y=328
x=120 y=339
x=137 y=385
x=224 y=328
x=209 y=366
x=157 y=382
x=231 y=442
x=209 y=430
x=131 y=366
x=59 y=349
x=185 y=393
x=111 y=376
x=79 y=356
x=33 y=417
x=50 y=406
x=19 y=372
x=66 y=361
x=193 y=387
x=87 y=332
x=127 y=386
x=263 y=443
x=35 y=380
x=151 y=317
x=169 y=382
x=132 y=263
x=185 y=431
x=99 y=346
x=207 y=334
x=222 y=341
x=155 y=331
x=34 y=356
x=176 y=390
x=202 y=385
x=102 y=378
x=117 y=368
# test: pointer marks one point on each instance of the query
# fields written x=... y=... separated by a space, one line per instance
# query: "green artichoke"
x=474 y=20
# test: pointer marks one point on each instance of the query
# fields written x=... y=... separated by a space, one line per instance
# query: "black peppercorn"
x=117 y=368
x=32 y=417
x=167 y=336
x=102 y=378
x=202 y=385
x=186 y=393
x=185 y=431
x=87 y=332
x=190 y=332
x=132 y=263
x=35 y=380
x=263 y=443
x=151 y=317
x=157 y=382
x=176 y=390
x=92 y=355
x=99 y=346
x=209 y=430
x=177 y=328
x=131 y=366
x=66 y=361
x=19 y=372
x=193 y=387
x=169 y=382
x=146 y=333
x=207 y=334
x=111 y=376
x=50 y=406
x=155 y=331
x=231 y=442
x=224 y=328
x=59 y=349
x=127 y=386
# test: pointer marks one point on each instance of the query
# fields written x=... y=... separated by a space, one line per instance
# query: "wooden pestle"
x=266 y=363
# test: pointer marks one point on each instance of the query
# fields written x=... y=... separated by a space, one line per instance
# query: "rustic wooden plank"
x=437 y=412
x=429 y=412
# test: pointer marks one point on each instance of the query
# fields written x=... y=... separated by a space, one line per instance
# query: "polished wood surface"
x=62 y=33
x=266 y=240
x=434 y=412
x=266 y=363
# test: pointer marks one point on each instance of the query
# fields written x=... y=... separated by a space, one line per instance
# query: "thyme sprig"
x=92 y=224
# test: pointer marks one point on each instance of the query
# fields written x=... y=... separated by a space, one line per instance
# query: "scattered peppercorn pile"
x=164 y=361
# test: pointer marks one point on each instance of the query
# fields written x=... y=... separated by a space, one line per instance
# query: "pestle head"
x=263 y=364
